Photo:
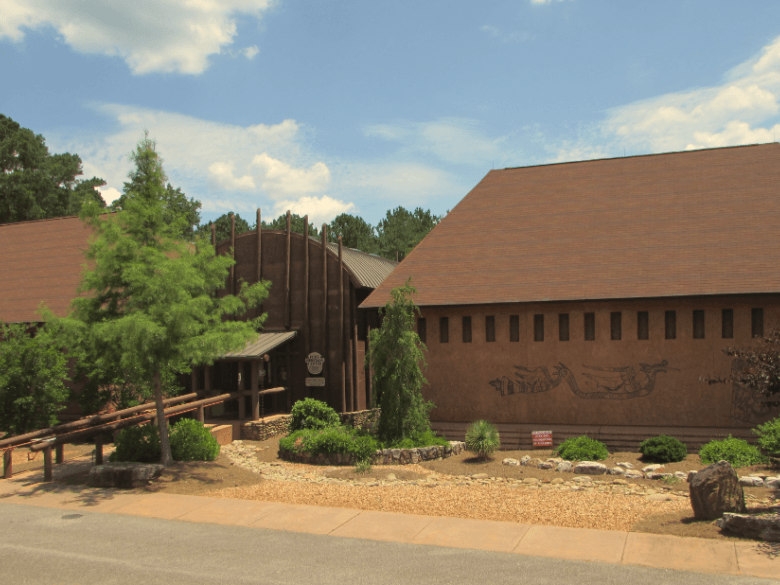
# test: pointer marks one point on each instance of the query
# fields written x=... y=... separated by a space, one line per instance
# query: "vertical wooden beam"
x=326 y=368
x=342 y=337
x=193 y=380
x=287 y=308
x=241 y=402
x=98 y=449
x=306 y=326
x=48 y=471
x=213 y=235
x=8 y=463
x=354 y=325
x=288 y=365
x=233 y=251
x=259 y=267
x=367 y=366
x=254 y=390
x=59 y=453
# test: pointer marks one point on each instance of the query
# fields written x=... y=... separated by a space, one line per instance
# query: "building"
x=591 y=297
x=316 y=287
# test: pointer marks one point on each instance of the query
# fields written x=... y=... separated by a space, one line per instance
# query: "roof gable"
x=689 y=223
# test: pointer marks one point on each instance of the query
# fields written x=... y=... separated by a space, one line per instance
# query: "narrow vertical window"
x=642 y=325
x=490 y=328
x=670 y=324
x=563 y=327
x=514 y=327
x=698 y=324
x=444 y=329
x=615 y=327
x=757 y=322
x=727 y=323
x=590 y=326
x=466 y=329
x=421 y=329
x=538 y=327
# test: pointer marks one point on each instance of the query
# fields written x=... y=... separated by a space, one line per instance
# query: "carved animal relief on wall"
x=618 y=383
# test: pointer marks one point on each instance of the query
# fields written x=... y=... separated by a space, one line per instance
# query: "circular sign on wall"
x=314 y=362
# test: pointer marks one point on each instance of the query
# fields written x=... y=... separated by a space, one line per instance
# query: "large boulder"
x=590 y=467
x=124 y=475
x=761 y=527
x=715 y=490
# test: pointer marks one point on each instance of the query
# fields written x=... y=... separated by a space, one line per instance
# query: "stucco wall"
x=465 y=380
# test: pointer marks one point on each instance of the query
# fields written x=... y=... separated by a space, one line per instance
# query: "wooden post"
x=287 y=308
x=200 y=415
x=213 y=235
x=259 y=267
x=59 y=453
x=194 y=380
x=307 y=325
x=48 y=471
x=241 y=405
x=289 y=381
x=255 y=391
x=353 y=319
x=367 y=366
x=326 y=368
x=99 y=449
x=342 y=337
x=8 y=463
x=233 y=251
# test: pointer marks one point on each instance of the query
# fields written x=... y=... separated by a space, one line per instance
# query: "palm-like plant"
x=482 y=439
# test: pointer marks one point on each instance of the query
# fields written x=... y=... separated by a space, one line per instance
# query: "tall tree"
x=33 y=371
x=175 y=206
x=150 y=305
x=400 y=231
x=397 y=359
x=35 y=184
x=296 y=224
x=222 y=225
x=354 y=232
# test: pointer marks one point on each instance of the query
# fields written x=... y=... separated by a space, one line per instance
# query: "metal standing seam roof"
x=699 y=222
x=369 y=269
x=264 y=343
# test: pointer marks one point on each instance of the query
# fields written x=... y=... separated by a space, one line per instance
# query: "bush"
x=191 y=441
x=139 y=444
x=313 y=414
x=582 y=449
x=482 y=438
x=769 y=436
x=331 y=440
x=426 y=439
x=663 y=449
x=738 y=452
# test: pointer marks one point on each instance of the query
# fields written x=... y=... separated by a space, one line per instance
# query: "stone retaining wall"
x=381 y=457
x=260 y=430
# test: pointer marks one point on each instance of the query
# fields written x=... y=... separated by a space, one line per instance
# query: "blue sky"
x=331 y=106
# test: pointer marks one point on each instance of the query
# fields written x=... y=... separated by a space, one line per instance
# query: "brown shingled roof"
x=701 y=222
x=40 y=261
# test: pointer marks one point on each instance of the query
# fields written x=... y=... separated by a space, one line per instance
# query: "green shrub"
x=482 y=438
x=140 y=444
x=663 y=449
x=738 y=452
x=191 y=441
x=426 y=439
x=582 y=449
x=769 y=436
x=313 y=414
x=341 y=439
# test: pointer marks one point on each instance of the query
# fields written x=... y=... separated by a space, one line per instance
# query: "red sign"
x=542 y=438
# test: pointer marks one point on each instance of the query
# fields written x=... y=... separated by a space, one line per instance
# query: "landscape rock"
x=590 y=468
x=691 y=473
x=510 y=461
x=582 y=478
x=124 y=475
x=751 y=481
x=656 y=475
x=631 y=474
x=531 y=480
x=681 y=475
x=525 y=459
x=766 y=527
x=557 y=481
x=772 y=482
x=546 y=465
x=564 y=466
x=626 y=465
x=716 y=490
x=653 y=467
x=616 y=471
x=619 y=482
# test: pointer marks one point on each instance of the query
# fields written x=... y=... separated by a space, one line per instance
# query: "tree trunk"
x=165 y=445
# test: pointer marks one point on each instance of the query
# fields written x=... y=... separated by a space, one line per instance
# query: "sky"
x=325 y=107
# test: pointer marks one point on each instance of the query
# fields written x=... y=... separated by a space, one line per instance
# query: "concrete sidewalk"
x=757 y=559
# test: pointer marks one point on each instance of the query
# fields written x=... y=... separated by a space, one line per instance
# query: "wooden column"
x=326 y=368
x=8 y=463
x=354 y=326
x=306 y=326
x=59 y=453
x=259 y=267
x=288 y=366
x=48 y=471
x=367 y=366
x=342 y=337
x=255 y=391
x=241 y=405
x=98 y=449
x=287 y=308
x=233 y=251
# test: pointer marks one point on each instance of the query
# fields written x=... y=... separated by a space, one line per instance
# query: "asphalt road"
x=55 y=546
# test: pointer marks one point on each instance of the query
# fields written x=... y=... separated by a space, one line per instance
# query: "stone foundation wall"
x=381 y=457
x=260 y=430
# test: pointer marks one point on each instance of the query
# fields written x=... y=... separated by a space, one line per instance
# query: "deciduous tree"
x=401 y=230
x=354 y=232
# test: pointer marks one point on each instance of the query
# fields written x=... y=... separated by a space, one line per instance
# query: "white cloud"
x=281 y=178
x=109 y=194
x=150 y=35
x=222 y=173
x=319 y=209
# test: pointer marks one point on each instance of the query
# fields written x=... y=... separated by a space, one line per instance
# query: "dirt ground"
x=434 y=495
